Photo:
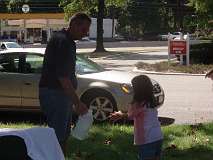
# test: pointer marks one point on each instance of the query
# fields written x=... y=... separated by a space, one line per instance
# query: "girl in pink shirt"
x=143 y=110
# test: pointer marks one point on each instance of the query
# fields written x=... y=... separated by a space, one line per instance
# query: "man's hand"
x=81 y=108
x=115 y=116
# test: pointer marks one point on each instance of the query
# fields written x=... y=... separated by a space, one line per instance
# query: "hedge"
x=201 y=53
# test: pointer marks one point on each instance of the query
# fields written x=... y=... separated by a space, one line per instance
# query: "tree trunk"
x=113 y=23
x=100 y=31
x=179 y=16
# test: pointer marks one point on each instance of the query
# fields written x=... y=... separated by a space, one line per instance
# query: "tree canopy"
x=204 y=6
x=88 y=6
x=93 y=7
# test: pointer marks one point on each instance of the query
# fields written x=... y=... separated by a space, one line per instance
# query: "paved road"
x=189 y=99
x=127 y=61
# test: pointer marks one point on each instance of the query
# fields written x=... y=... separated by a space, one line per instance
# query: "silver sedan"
x=104 y=91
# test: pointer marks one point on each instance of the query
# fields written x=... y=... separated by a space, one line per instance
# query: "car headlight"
x=126 y=88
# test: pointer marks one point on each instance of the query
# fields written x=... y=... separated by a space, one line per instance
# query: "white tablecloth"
x=41 y=142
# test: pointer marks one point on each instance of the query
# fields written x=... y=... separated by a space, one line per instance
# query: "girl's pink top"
x=146 y=125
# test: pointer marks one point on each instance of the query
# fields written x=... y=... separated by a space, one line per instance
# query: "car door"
x=10 y=81
x=31 y=73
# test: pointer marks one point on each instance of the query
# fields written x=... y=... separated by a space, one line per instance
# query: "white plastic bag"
x=80 y=131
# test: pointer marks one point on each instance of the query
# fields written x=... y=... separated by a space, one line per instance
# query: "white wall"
x=107 y=26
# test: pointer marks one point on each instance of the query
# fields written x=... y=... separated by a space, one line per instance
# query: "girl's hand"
x=115 y=116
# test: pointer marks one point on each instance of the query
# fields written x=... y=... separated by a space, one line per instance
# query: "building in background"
x=40 y=30
x=35 y=22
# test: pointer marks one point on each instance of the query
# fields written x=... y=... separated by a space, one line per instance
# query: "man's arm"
x=70 y=91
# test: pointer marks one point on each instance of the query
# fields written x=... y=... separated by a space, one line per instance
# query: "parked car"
x=85 y=40
x=9 y=45
x=104 y=91
x=174 y=35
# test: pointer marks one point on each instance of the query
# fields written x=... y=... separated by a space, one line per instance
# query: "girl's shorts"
x=150 y=150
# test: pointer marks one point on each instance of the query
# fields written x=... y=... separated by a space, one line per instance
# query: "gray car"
x=104 y=91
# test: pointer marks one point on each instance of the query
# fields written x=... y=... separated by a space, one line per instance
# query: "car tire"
x=101 y=103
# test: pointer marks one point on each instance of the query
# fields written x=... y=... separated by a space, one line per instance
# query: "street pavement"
x=125 y=58
x=188 y=98
x=127 y=61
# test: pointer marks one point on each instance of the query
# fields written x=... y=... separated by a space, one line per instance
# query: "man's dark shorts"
x=57 y=108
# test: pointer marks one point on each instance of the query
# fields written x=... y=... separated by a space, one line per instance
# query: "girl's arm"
x=115 y=116
x=134 y=111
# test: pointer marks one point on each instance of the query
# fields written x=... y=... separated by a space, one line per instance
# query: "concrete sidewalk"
x=126 y=49
x=127 y=58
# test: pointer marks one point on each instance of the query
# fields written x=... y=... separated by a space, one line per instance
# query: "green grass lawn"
x=115 y=142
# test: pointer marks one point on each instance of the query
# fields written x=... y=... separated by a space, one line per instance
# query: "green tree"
x=91 y=6
x=36 y=6
x=204 y=6
x=141 y=18
x=204 y=13
x=15 y=6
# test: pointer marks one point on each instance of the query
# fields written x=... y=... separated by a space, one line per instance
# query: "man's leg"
x=57 y=108
x=63 y=145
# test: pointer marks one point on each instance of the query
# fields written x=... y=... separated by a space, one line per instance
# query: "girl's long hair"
x=143 y=91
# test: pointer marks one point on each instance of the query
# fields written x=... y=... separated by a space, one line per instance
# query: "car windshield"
x=176 y=33
x=84 y=66
x=13 y=45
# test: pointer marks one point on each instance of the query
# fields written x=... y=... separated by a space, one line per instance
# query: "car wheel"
x=101 y=103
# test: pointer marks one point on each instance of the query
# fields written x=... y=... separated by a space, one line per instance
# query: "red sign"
x=177 y=47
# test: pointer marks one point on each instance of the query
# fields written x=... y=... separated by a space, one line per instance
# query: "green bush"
x=201 y=53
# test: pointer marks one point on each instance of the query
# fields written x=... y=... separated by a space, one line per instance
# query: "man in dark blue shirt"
x=58 y=81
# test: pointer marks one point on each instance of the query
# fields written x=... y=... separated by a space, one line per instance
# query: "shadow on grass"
x=22 y=117
x=206 y=129
x=108 y=140
x=105 y=142
x=114 y=66
x=135 y=56
x=164 y=121
x=195 y=153
x=113 y=55
x=115 y=142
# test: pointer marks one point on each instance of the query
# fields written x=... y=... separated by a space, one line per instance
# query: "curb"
x=165 y=73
